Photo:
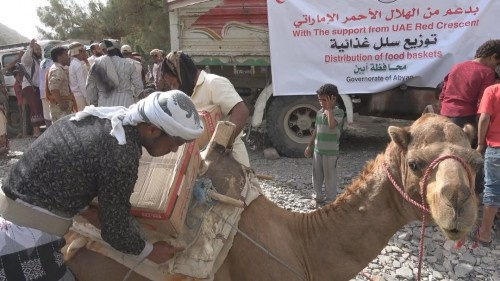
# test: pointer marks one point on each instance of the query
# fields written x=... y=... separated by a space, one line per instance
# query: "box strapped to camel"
x=208 y=229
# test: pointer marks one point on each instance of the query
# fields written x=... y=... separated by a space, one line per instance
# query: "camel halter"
x=423 y=191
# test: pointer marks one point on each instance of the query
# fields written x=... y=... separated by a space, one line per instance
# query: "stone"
x=271 y=153
x=404 y=272
x=431 y=259
x=405 y=236
x=388 y=277
x=437 y=274
x=449 y=245
x=488 y=260
x=463 y=269
x=468 y=258
x=447 y=266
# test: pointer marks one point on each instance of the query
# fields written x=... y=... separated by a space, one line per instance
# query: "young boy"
x=489 y=139
x=325 y=141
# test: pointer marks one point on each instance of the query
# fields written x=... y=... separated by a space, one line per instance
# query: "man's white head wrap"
x=173 y=112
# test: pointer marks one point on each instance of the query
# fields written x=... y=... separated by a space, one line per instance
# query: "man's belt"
x=26 y=216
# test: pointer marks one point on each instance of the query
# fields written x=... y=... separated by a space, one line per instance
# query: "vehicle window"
x=8 y=58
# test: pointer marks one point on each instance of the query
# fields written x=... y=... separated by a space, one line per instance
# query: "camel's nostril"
x=455 y=231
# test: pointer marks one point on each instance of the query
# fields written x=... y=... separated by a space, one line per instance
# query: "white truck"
x=385 y=56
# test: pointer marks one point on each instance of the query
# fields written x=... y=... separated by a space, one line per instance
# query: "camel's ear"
x=469 y=131
x=400 y=136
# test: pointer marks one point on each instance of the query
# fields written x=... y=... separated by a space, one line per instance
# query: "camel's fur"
x=339 y=240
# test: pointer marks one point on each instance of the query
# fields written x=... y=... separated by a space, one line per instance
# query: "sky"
x=20 y=15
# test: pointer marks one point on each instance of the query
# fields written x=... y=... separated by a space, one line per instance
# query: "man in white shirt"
x=96 y=51
x=78 y=74
x=180 y=72
x=126 y=51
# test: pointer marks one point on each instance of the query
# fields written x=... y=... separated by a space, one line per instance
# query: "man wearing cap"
x=158 y=56
x=180 y=72
x=78 y=74
x=111 y=79
x=57 y=89
x=94 y=153
x=127 y=54
x=96 y=51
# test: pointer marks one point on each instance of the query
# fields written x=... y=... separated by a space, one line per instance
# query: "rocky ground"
x=291 y=188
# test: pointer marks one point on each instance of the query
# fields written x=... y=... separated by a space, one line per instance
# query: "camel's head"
x=450 y=186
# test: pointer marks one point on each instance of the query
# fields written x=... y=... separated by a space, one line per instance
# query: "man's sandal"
x=474 y=236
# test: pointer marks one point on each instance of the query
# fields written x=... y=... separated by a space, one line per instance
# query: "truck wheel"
x=14 y=122
x=290 y=122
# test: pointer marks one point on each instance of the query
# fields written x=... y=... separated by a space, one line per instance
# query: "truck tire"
x=14 y=122
x=290 y=122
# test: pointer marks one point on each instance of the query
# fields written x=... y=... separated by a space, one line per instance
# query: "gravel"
x=291 y=188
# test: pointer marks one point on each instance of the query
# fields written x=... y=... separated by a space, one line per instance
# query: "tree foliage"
x=142 y=24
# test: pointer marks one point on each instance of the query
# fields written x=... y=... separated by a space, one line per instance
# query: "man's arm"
x=239 y=116
x=26 y=59
x=115 y=188
x=14 y=62
x=482 y=129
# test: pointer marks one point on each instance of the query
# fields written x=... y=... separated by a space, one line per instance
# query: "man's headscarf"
x=173 y=112
x=111 y=44
x=181 y=66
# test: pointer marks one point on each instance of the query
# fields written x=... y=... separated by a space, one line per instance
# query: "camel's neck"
x=353 y=230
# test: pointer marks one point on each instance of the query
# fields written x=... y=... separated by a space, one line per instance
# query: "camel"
x=339 y=240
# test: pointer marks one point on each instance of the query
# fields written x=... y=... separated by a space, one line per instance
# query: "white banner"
x=368 y=46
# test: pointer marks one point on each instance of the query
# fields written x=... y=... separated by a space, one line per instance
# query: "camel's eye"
x=416 y=165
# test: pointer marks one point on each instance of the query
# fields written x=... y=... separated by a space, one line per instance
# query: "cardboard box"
x=163 y=189
x=209 y=115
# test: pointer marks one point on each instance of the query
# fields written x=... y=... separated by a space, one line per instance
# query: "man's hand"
x=32 y=43
x=162 y=252
x=480 y=148
x=92 y=216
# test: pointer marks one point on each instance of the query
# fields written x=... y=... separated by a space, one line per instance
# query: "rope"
x=423 y=191
x=401 y=191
